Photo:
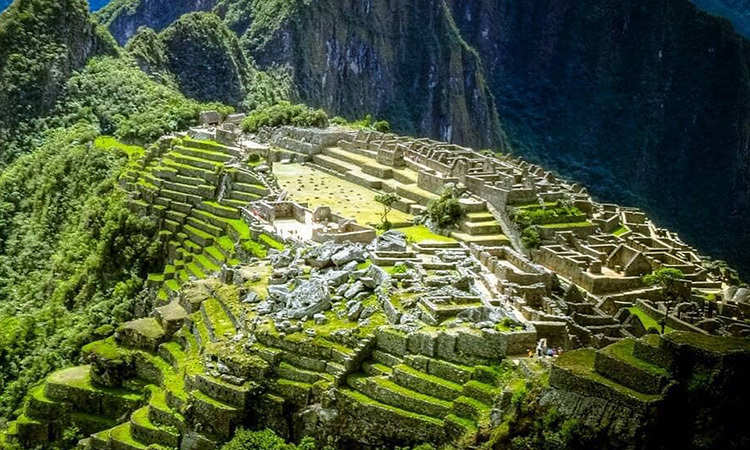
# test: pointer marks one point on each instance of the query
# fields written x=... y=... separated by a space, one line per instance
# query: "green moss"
x=218 y=318
x=107 y=349
x=567 y=225
x=581 y=363
x=365 y=400
x=123 y=434
x=715 y=344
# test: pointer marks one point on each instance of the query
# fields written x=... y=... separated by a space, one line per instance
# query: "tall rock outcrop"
x=41 y=43
x=646 y=102
x=124 y=17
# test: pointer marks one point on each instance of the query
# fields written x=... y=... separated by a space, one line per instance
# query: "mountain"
x=94 y=5
x=737 y=11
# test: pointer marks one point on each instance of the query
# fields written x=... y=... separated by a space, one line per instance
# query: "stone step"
x=145 y=334
x=348 y=157
x=488 y=240
x=217 y=321
x=258 y=189
x=121 y=438
x=376 y=369
x=333 y=163
x=295 y=392
x=417 y=194
x=290 y=372
x=198 y=236
x=390 y=393
x=211 y=146
x=160 y=413
x=231 y=203
x=470 y=408
x=213 y=230
x=206 y=265
x=201 y=190
x=244 y=197
x=201 y=163
x=180 y=197
x=386 y=359
x=214 y=255
x=224 y=392
x=425 y=383
x=425 y=428
x=378 y=170
x=204 y=154
x=481 y=392
x=145 y=431
x=364 y=179
x=211 y=177
x=481 y=228
x=217 y=418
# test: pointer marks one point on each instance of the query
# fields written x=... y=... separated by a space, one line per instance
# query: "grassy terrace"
x=714 y=344
x=567 y=225
x=647 y=320
x=581 y=363
x=623 y=350
x=307 y=185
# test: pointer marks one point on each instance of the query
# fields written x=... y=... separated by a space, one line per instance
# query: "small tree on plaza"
x=668 y=279
x=387 y=200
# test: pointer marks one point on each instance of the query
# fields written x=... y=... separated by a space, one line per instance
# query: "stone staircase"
x=440 y=398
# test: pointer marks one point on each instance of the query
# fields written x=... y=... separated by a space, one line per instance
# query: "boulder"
x=354 y=311
x=309 y=298
x=377 y=274
x=320 y=257
x=348 y=254
x=391 y=241
x=354 y=289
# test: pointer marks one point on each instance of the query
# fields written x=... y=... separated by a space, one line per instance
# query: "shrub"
x=531 y=238
x=284 y=113
x=446 y=211
x=382 y=126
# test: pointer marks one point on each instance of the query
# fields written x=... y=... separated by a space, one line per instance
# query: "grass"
x=623 y=350
x=350 y=200
x=218 y=317
x=365 y=400
x=581 y=363
x=715 y=344
x=420 y=233
x=567 y=225
x=622 y=229
x=647 y=320
x=271 y=242
x=108 y=142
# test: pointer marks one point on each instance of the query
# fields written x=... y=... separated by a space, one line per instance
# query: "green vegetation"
x=284 y=113
x=622 y=229
x=387 y=200
x=446 y=211
x=73 y=258
x=420 y=233
x=524 y=217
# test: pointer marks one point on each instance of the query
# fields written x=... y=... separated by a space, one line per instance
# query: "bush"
x=267 y=440
x=284 y=113
x=531 y=238
x=382 y=126
x=446 y=211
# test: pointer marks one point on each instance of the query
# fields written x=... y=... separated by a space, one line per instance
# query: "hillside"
x=551 y=82
x=258 y=225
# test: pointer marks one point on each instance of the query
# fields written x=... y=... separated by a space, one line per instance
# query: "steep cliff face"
x=397 y=59
x=647 y=102
x=41 y=44
x=737 y=11
x=123 y=17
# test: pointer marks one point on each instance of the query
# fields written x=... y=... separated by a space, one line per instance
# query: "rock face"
x=309 y=298
x=123 y=19
x=57 y=38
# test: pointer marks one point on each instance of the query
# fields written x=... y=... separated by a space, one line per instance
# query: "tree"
x=387 y=200
x=668 y=279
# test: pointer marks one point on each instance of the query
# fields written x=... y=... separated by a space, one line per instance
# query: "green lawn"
x=647 y=320
x=307 y=185
x=420 y=233
x=133 y=151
